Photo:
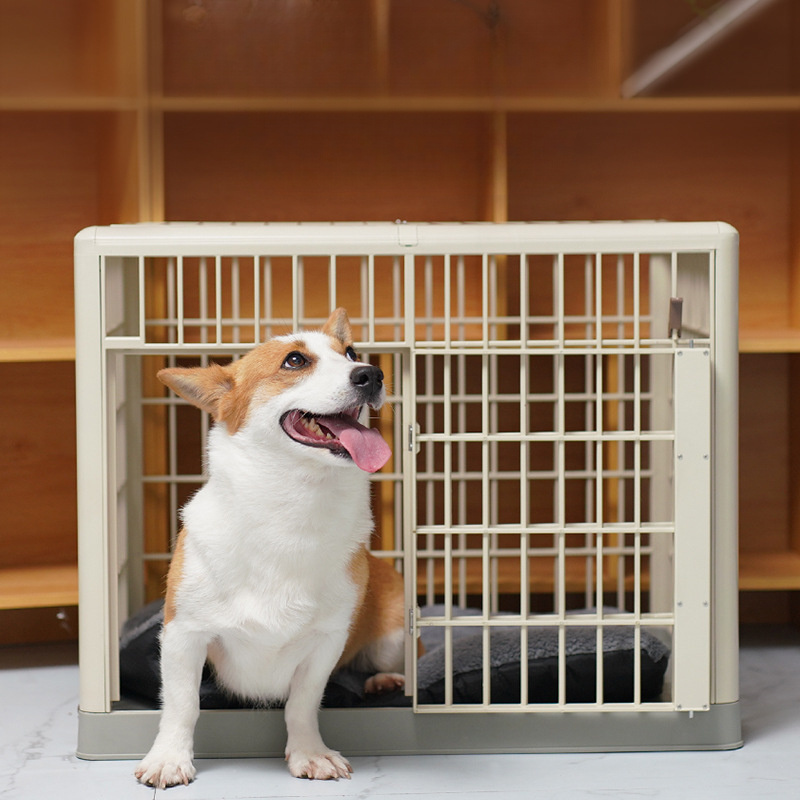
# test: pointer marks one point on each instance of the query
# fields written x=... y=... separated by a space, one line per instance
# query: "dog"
x=271 y=581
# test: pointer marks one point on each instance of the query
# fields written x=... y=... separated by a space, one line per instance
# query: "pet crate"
x=562 y=497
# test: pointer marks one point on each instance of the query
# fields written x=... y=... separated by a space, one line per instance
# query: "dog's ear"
x=203 y=387
x=338 y=327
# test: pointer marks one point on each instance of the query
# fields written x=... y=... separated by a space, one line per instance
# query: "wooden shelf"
x=778 y=340
x=38 y=587
x=769 y=571
x=475 y=103
x=67 y=102
x=32 y=351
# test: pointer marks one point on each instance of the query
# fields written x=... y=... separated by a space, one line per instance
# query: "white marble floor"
x=38 y=721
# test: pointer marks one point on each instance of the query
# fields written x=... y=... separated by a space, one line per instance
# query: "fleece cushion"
x=139 y=669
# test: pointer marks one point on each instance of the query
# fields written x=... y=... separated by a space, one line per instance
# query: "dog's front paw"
x=325 y=766
x=384 y=682
x=166 y=769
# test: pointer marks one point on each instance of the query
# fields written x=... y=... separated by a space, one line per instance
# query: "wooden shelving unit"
x=122 y=110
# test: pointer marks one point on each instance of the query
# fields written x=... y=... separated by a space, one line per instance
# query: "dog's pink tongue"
x=366 y=446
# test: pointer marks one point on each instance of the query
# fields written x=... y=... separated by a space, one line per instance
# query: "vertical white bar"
x=430 y=486
x=692 y=640
x=170 y=310
x=637 y=485
x=256 y=299
x=599 y=387
x=218 y=296
x=371 y=298
x=494 y=467
x=142 y=301
x=636 y=302
x=397 y=295
x=560 y=291
x=297 y=291
x=447 y=307
x=366 y=262
x=172 y=469
x=620 y=445
x=332 y=285
x=179 y=296
x=93 y=545
x=409 y=483
x=559 y=426
x=461 y=362
x=448 y=504
x=268 y=297
x=236 y=305
x=430 y=495
x=203 y=291
x=485 y=298
x=724 y=271
x=524 y=469
x=600 y=492
x=486 y=598
x=589 y=376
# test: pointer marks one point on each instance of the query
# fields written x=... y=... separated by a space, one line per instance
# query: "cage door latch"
x=675 y=316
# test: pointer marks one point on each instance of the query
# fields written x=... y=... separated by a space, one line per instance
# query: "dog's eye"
x=351 y=354
x=295 y=360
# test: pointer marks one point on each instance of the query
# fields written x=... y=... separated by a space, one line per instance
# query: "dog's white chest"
x=262 y=638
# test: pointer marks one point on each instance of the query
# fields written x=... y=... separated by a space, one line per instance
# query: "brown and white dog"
x=271 y=580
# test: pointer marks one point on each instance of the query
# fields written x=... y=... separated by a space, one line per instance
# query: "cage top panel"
x=392 y=238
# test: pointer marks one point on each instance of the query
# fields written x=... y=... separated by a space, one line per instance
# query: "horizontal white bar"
x=539 y=708
x=384 y=238
x=576 y=621
x=577 y=436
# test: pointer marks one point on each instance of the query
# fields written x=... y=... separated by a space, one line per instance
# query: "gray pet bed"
x=140 y=680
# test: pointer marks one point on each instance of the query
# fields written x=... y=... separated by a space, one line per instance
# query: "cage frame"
x=709 y=721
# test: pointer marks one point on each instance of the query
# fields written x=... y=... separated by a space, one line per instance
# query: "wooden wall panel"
x=764 y=453
x=279 y=167
x=48 y=192
x=237 y=47
x=38 y=516
x=729 y=167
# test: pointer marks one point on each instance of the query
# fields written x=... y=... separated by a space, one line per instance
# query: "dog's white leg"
x=306 y=753
x=169 y=761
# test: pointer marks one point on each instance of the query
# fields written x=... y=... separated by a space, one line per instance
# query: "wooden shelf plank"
x=769 y=571
x=30 y=351
x=474 y=103
x=78 y=102
x=38 y=587
x=769 y=340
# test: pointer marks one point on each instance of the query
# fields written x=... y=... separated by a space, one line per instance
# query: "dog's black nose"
x=367 y=377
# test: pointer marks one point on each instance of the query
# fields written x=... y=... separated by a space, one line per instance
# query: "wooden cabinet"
x=124 y=110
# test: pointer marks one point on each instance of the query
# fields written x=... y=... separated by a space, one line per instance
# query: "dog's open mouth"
x=340 y=433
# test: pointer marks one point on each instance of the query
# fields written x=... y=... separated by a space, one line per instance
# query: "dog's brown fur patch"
x=174 y=577
x=227 y=392
x=381 y=606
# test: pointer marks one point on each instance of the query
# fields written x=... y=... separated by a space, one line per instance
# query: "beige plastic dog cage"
x=562 y=498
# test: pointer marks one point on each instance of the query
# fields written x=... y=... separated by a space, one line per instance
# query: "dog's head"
x=303 y=391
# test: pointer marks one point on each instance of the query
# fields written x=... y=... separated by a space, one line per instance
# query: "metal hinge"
x=413 y=430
